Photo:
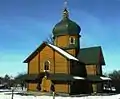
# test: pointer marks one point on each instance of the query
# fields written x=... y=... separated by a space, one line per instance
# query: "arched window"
x=72 y=40
x=46 y=66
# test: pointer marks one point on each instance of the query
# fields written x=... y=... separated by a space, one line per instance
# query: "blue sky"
x=24 y=24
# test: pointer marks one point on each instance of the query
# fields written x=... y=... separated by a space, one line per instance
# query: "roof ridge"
x=91 y=47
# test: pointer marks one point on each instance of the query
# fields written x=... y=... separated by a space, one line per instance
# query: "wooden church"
x=64 y=64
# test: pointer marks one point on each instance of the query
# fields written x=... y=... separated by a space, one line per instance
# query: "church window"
x=46 y=66
x=72 y=40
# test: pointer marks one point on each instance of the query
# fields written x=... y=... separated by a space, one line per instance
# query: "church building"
x=64 y=64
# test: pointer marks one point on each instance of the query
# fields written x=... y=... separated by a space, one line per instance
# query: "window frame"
x=72 y=38
x=48 y=66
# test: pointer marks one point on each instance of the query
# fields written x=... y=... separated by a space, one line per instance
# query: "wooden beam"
x=38 y=62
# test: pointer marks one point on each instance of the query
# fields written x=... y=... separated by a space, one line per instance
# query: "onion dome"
x=66 y=26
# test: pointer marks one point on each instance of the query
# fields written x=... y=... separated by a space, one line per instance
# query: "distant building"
x=71 y=69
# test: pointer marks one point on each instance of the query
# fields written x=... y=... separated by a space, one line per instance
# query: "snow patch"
x=8 y=96
x=79 y=78
x=105 y=78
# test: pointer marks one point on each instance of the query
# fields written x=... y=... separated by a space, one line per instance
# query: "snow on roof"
x=63 y=52
x=79 y=78
x=105 y=78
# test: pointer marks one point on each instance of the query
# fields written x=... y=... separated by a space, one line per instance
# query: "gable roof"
x=59 y=50
x=91 y=55
x=69 y=56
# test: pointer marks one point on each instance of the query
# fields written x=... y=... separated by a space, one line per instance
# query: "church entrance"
x=45 y=84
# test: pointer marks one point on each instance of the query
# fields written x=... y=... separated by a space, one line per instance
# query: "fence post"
x=12 y=93
x=53 y=95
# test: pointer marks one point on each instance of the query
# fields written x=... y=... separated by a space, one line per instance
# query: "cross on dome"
x=65 y=11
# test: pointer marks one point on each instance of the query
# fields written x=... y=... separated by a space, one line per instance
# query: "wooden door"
x=45 y=85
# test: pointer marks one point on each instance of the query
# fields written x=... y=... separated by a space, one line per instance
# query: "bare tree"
x=115 y=75
x=50 y=39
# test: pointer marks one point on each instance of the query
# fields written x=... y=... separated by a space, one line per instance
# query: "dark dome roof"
x=66 y=26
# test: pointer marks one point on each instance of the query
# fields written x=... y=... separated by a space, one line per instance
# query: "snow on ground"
x=5 y=95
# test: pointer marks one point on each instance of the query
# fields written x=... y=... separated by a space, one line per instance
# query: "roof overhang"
x=97 y=78
x=53 y=77
x=64 y=77
x=105 y=78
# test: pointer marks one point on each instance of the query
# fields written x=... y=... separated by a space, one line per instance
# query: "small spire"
x=65 y=11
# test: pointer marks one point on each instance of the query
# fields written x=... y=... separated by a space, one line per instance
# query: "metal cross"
x=66 y=4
